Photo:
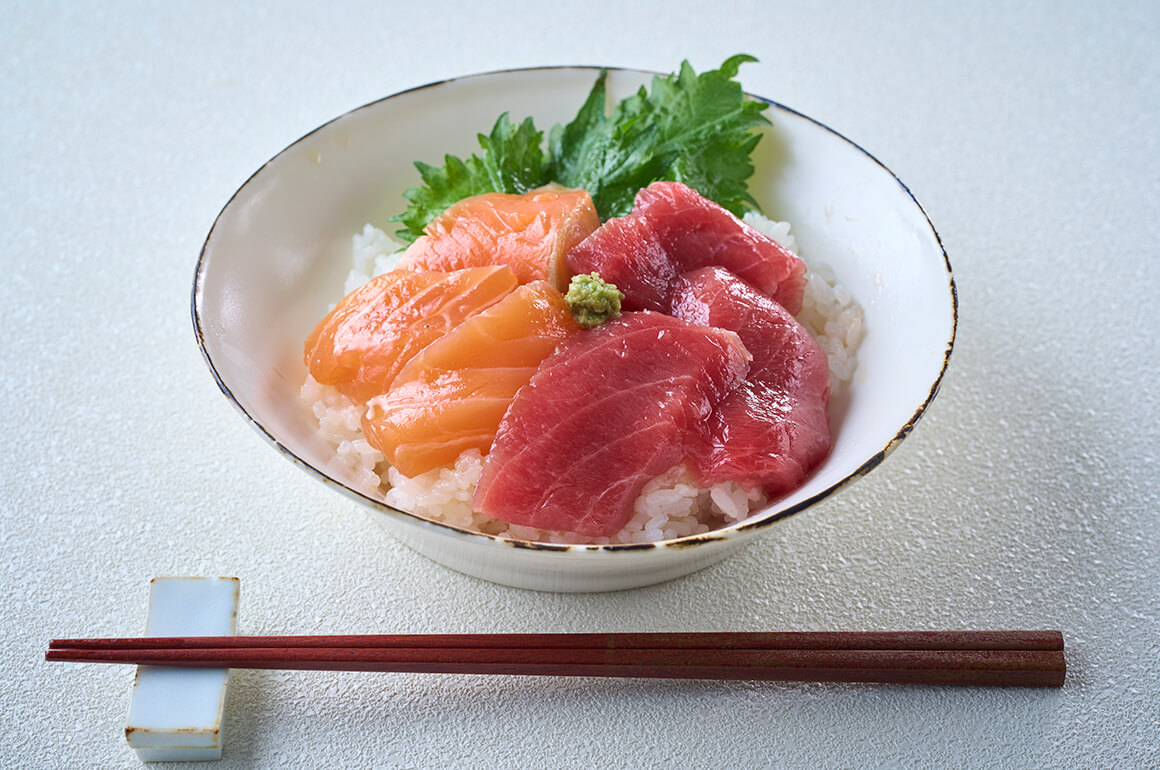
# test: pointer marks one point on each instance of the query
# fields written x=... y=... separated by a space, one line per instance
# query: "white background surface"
x=1027 y=497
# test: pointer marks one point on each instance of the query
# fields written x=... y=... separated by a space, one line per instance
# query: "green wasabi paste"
x=592 y=300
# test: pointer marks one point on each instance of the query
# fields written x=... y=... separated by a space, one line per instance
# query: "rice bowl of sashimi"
x=562 y=380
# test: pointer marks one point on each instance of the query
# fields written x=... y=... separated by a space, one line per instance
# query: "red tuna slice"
x=672 y=230
x=627 y=251
x=774 y=429
x=613 y=408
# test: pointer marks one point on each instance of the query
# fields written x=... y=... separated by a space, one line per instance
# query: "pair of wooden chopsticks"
x=1013 y=658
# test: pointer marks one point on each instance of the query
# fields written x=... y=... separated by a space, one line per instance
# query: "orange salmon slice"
x=452 y=396
x=375 y=330
x=530 y=233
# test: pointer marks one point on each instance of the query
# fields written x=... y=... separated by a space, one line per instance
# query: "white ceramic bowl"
x=279 y=251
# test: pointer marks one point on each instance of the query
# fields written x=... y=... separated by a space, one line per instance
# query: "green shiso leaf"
x=695 y=129
x=610 y=157
x=512 y=156
x=512 y=162
x=706 y=130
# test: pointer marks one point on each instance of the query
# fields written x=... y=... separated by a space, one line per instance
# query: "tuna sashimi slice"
x=452 y=395
x=774 y=429
x=613 y=408
x=672 y=230
x=375 y=330
x=530 y=233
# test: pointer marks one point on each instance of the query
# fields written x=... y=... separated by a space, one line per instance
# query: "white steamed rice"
x=669 y=506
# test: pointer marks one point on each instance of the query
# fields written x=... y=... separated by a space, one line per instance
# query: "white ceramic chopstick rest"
x=175 y=714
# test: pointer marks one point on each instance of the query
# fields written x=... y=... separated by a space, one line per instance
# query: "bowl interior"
x=278 y=254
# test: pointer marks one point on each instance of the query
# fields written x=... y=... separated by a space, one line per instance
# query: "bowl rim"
x=727 y=532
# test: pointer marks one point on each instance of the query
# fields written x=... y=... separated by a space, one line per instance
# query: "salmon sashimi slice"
x=452 y=396
x=530 y=233
x=672 y=230
x=375 y=330
x=615 y=407
x=774 y=430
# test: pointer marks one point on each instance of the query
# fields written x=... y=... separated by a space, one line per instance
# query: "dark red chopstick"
x=736 y=640
x=1017 y=658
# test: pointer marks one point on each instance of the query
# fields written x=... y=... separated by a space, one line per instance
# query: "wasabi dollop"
x=592 y=300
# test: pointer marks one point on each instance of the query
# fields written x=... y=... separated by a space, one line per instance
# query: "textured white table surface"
x=1027 y=497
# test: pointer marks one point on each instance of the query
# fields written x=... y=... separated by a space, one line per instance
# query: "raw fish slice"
x=375 y=330
x=700 y=233
x=529 y=233
x=452 y=395
x=614 y=408
x=672 y=230
x=774 y=429
x=627 y=252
